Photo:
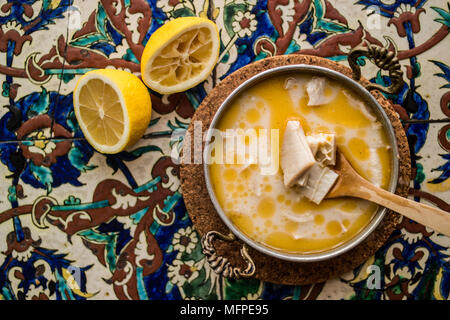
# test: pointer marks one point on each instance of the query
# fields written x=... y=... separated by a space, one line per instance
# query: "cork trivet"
x=205 y=218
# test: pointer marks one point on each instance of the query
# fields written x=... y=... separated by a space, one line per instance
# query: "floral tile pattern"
x=76 y=224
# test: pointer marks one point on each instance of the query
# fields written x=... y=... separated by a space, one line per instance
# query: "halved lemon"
x=113 y=109
x=180 y=54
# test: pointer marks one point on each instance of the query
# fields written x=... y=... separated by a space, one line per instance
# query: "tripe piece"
x=323 y=147
x=296 y=156
x=303 y=179
x=298 y=161
x=299 y=218
x=315 y=88
x=316 y=92
x=320 y=181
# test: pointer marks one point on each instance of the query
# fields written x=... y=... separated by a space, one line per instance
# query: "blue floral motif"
x=41 y=19
x=387 y=10
x=68 y=167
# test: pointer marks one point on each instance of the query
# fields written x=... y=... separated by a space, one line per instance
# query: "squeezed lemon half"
x=113 y=109
x=180 y=54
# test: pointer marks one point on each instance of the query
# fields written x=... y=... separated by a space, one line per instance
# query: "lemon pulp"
x=113 y=109
x=180 y=54
x=101 y=111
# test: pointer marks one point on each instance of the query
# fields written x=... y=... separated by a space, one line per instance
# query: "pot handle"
x=220 y=264
x=383 y=59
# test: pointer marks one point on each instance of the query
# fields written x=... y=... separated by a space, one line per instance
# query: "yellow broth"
x=260 y=205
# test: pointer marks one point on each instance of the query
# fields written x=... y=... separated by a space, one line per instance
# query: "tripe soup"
x=259 y=204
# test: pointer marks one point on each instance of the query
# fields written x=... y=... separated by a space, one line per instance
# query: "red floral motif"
x=177 y=102
x=333 y=14
x=443 y=137
x=42 y=296
x=412 y=18
x=118 y=19
x=123 y=201
x=79 y=58
x=76 y=58
x=14 y=245
x=42 y=153
x=332 y=46
x=392 y=288
x=173 y=3
x=445 y=104
x=400 y=283
x=244 y=23
x=185 y=271
x=301 y=9
x=414 y=228
x=10 y=32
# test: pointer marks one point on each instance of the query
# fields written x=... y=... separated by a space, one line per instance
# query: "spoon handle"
x=432 y=217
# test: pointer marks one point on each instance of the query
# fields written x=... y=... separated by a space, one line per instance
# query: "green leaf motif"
x=153 y=122
x=361 y=61
x=424 y=291
x=444 y=14
x=41 y=106
x=72 y=121
x=326 y=25
x=76 y=158
x=72 y=200
x=420 y=175
x=241 y=289
x=293 y=47
x=416 y=70
x=200 y=288
x=196 y=253
x=183 y=12
x=5 y=87
x=140 y=151
x=66 y=77
x=136 y=217
x=108 y=239
x=229 y=11
x=179 y=125
x=43 y=175
x=45 y=5
x=101 y=35
x=129 y=56
x=28 y=143
x=85 y=41
x=12 y=194
x=101 y=18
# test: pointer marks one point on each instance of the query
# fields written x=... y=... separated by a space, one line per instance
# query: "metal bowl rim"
x=368 y=98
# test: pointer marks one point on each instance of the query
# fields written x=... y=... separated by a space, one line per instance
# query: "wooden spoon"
x=351 y=184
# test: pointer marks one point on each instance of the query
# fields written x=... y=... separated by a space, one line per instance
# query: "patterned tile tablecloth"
x=46 y=166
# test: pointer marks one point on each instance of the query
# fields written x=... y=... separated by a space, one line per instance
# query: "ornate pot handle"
x=383 y=59
x=220 y=264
